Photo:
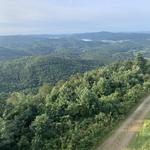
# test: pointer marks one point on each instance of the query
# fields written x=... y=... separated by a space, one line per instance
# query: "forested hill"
x=104 y=46
x=32 y=72
x=75 y=114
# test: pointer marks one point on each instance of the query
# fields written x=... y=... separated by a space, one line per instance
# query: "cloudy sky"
x=71 y=16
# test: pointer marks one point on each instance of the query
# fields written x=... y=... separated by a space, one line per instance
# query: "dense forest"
x=26 y=62
x=72 y=114
x=31 y=72
x=104 y=46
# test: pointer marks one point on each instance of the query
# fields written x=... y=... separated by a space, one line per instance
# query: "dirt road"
x=127 y=130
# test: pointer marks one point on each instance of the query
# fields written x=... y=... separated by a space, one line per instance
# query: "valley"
x=69 y=92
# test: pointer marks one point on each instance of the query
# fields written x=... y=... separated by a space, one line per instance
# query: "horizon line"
x=73 y=33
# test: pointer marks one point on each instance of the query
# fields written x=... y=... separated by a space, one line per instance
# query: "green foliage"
x=141 y=62
x=103 y=46
x=32 y=72
x=73 y=114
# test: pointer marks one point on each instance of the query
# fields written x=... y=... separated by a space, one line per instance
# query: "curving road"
x=126 y=132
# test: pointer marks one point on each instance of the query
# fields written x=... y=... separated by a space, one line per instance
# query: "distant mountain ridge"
x=73 y=45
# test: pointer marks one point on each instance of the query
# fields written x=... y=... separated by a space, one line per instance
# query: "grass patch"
x=142 y=139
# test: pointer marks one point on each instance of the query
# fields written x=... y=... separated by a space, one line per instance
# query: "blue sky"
x=72 y=16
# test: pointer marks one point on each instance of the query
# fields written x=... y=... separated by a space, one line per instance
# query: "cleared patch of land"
x=128 y=129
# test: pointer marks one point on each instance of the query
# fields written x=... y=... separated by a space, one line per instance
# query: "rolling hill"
x=95 y=46
x=32 y=71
